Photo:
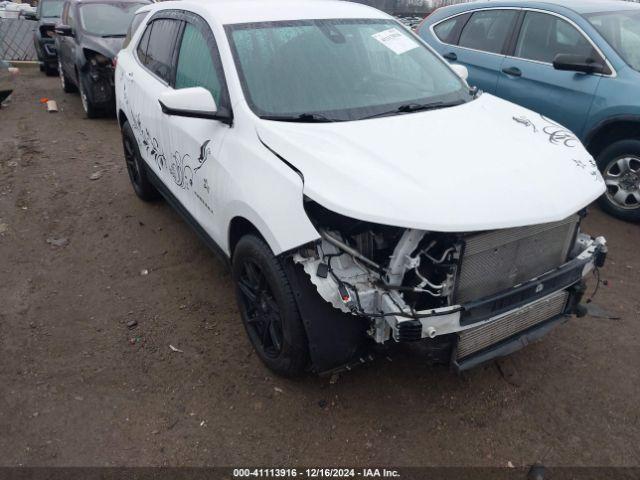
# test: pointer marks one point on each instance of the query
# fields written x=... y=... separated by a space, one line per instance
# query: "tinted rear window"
x=161 y=47
x=488 y=30
x=447 y=31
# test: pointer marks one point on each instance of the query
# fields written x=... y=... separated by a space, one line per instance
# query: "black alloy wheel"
x=268 y=308
x=262 y=313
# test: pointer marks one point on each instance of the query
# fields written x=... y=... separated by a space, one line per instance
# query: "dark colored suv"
x=89 y=36
x=48 y=15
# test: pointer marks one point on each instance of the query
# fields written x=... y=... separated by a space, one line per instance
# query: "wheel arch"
x=122 y=118
x=238 y=228
x=611 y=131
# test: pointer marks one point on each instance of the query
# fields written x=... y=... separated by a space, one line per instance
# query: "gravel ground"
x=78 y=387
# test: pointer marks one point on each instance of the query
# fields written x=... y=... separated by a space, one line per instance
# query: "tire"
x=620 y=167
x=50 y=70
x=90 y=108
x=67 y=84
x=136 y=167
x=268 y=308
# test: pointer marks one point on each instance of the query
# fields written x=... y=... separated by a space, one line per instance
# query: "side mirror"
x=578 y=63
x=64 y=30
x=196 y=102
x=461 y=71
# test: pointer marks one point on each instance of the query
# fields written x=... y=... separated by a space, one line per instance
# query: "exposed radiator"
x=510 y=324
x=500 y=259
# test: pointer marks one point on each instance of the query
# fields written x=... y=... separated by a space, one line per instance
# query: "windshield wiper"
x=416 y=107
x=114 y=35
x=302 y=118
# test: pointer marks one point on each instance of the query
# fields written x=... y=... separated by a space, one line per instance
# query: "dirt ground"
x=79 y=388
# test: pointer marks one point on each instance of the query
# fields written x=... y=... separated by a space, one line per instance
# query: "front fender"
x=260 y=187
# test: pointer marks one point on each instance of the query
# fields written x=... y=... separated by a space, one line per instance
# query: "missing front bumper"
x=460 y=318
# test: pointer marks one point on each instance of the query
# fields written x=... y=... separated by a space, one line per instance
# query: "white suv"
x=361 y=191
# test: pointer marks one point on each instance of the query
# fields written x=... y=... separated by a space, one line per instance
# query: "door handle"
x=130 y=74
x=512 y=71
x=451 y=56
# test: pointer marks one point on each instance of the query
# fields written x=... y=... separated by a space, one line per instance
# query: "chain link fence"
x=16 y=39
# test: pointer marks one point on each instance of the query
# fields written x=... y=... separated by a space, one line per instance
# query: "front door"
x=196 y=143
x=529 y=79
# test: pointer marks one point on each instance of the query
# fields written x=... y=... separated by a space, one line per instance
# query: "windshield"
x=108 y=19
x=51 y=8
x=339 y=70
x=622 y=31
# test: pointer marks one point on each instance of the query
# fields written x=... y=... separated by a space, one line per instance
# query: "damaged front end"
x=100 y=74
x=469 y=296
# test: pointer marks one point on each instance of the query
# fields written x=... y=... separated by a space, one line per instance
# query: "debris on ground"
x=144 y=272
x=95 y=175
x=278 y=390
x=58 y=242
x=334 y=378
x=174 y=349
x=52 y=106
x=132 y=324
x=510 y=464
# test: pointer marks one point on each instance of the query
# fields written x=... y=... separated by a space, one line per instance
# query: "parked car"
x=16 y=10
x=7 y=80
x=577 y=63
x=361 y=192
x=88 y=38
x=48 y=15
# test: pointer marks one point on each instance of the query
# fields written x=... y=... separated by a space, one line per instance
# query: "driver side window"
x=196 y=66
x=544 y=36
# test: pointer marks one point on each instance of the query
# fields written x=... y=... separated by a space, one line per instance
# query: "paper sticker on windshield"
x=395 y=41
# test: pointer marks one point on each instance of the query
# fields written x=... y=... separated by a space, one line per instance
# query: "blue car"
x=575 y=62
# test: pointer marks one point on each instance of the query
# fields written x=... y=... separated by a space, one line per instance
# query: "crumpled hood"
x=109 y=47
x=484 y=165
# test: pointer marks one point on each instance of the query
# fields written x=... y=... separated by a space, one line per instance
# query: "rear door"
x=479 y=42
x=529 y=79
x=152 y=76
